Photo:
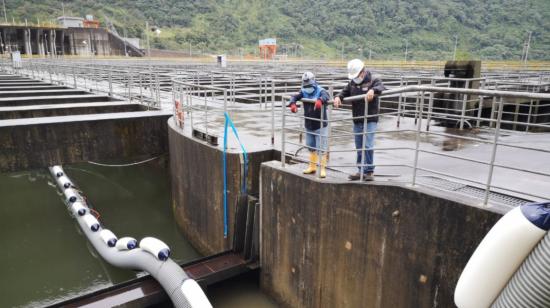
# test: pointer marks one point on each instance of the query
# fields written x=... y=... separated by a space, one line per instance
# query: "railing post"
x=364 y=144
x=479 y=111
x=319 y=147
x=225 y=101
x=206 y=111
x=419 y=83
x=272 y=112
x=283 y=140
x=399 y=103
x=430 y=107
x=140 y=89
x=529 y=113
x=329 y=124
x=190 y=104
x=110 y=83
x=74 y=77
x=493 y=153
x=158 y=89
x=464 y=103
x=417 y=146
x=151 y=89
x=130 y=84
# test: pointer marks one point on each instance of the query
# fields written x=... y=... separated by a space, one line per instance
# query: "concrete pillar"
x=53 y=48
x=62 y=42
x=73 y=44
x=39 y=44
x=27 y=43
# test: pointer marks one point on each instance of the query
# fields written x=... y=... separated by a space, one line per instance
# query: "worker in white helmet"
x=362 y=83
x=316 y=126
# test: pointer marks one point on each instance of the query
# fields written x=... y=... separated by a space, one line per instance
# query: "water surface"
x=45 y=258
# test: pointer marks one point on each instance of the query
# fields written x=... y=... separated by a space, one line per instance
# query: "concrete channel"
x=399 y=241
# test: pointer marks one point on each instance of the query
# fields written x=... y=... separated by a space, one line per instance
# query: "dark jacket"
x=309 y=108
x=358 y=106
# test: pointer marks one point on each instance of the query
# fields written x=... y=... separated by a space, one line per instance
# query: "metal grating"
x=472 y=191
x=493 y=196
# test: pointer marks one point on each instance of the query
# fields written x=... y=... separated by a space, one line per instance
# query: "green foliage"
x=490 y=29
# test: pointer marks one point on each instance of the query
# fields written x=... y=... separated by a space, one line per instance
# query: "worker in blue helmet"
x=316 y=127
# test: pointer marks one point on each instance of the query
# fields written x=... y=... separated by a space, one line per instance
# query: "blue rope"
x=228 y=122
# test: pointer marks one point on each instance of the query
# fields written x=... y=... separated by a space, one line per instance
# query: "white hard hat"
x=355 y=67
x=308 y=79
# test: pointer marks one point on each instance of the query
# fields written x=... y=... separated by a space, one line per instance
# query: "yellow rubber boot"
x=312 y=168
x=323 y=173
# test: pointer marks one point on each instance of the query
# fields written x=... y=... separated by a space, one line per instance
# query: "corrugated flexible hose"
x=530 y=285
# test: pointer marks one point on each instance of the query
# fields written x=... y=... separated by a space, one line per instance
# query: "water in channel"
x=44 y=257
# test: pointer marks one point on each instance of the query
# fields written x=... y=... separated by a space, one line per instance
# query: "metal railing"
x=133 y=84
x=339 y=136
x=409 y=111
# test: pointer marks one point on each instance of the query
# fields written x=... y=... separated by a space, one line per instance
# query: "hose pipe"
x=498 y=257
x=530 y=285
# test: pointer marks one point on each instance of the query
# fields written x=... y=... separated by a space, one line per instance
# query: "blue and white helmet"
x=308 y=79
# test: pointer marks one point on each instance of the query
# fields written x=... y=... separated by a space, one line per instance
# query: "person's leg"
x=358 y=137
x=371 y=129
x=311 y=145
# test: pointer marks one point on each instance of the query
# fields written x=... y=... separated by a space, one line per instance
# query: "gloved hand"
x=293 y=107
x=318 y=104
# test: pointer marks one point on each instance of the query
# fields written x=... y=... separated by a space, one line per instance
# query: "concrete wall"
x=63 y=111
x=354 y=245
x=38 y=143
x=197 y=188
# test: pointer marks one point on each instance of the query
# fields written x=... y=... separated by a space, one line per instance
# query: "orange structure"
x=90 y=22
x=268 y=48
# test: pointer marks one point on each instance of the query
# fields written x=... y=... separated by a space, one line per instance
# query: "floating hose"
x=151 y=256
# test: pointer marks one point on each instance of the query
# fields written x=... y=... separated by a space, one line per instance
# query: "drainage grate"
x=440 y=183
x=493 y=196
x=472 y=191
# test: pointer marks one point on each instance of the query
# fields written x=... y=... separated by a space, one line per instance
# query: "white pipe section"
x=57 y=171
x=79 y=209
x=126 y=243
x=71 y=195
x=108 y=237
x=91 y=222
x=64 y=182
x=155 y=247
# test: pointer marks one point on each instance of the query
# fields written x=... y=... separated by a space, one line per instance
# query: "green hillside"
x=490 y=29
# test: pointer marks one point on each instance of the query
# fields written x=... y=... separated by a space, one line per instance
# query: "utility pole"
x=456 y=43
x=147 y=37
x=527 y=47
x=406 y=49
x=5 y=15
x=125 y=36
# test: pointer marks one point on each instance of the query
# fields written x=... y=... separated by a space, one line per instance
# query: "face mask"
x=309 y=90
x=357 y=80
